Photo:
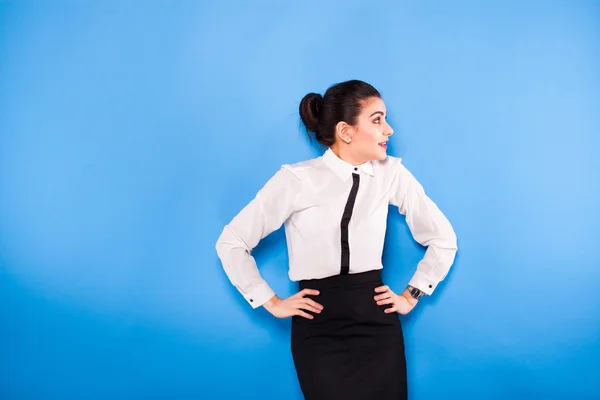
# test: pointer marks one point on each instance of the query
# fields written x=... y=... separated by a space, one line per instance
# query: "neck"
x=343 y=151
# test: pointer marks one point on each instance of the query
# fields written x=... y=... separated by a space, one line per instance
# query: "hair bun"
x=310 y=108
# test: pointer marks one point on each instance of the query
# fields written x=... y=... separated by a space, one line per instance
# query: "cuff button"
x=430 y=286
x=251 y=300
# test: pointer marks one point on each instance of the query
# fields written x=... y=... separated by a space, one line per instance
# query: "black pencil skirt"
x=352 y=350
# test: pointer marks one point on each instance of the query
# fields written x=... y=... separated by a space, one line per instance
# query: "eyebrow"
x=376 y=112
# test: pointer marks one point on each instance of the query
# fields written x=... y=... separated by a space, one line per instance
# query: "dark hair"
x=342 y=102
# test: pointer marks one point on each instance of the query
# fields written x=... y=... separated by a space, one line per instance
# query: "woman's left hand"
x=402 y=304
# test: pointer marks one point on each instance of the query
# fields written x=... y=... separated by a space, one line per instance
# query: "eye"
x=376 y=120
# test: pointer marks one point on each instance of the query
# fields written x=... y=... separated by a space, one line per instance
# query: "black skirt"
x=352 y=350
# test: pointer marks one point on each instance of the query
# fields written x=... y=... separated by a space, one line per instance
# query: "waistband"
x=341 y=280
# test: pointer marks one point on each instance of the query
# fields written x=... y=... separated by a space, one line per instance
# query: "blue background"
x=132 y=132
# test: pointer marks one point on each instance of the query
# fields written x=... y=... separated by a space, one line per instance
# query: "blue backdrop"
x=132 y=132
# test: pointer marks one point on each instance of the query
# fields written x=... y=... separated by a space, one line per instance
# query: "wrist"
x=269 y=304
x=411 y=300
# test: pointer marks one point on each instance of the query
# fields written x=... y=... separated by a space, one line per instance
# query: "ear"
x=344 y=132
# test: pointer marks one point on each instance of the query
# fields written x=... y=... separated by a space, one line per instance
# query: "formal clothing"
x=335 y=220
x=309 y=198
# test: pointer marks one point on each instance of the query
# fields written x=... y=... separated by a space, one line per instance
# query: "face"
x=371 y=133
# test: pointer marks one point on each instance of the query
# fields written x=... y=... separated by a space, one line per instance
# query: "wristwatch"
x=414 y=292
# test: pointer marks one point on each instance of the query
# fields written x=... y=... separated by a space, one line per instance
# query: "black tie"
x=345 y=221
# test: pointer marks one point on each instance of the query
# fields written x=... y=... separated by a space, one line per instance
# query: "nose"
x=390 y=131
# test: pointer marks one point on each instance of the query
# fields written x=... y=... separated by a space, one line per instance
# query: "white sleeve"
x=428 y=226
x=266 y=213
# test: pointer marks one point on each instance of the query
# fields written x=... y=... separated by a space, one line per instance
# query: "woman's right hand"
x=293 y=305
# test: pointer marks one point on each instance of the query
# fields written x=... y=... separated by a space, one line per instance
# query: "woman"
x=347 y=340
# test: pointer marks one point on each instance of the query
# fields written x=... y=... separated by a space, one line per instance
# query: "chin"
x=380 y=155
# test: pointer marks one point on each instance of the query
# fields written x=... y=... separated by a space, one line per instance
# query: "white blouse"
x=309 y=198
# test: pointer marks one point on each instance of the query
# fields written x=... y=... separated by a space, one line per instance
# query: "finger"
x=304 y=303
x=309 y=308
x=385 y=295
x=307 y=291
x=381 y=288
x=303 y=314
x=390 y=310
x=313 y=303
x=304 y=292
x=386 y=301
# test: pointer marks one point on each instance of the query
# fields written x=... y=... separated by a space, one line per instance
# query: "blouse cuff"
x=423 y=282
x=259 y=295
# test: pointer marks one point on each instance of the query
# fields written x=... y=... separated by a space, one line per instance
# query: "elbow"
x=443 y=240
x=229 y=241
x=447 y=243
x=221 y=243
x=453 y=240
x=448 y=239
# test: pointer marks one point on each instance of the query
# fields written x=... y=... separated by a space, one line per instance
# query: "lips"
x=383 y=144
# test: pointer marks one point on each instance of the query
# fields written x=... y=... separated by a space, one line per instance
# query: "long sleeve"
x=270 y=208
x=428 y=226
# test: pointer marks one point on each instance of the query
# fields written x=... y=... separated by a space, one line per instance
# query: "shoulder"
x=393 y=171
x=389 y=167
x=303 y=169
x=291 y=177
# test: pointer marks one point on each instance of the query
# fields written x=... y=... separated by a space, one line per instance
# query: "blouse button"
x=356 y=169
x=251 y=300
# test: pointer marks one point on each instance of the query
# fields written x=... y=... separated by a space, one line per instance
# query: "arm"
x=429 y=228
x=272 y=205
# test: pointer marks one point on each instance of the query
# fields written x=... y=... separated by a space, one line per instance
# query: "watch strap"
x=414 y=292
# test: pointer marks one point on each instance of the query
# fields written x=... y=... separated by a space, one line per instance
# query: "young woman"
x=346 y=340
